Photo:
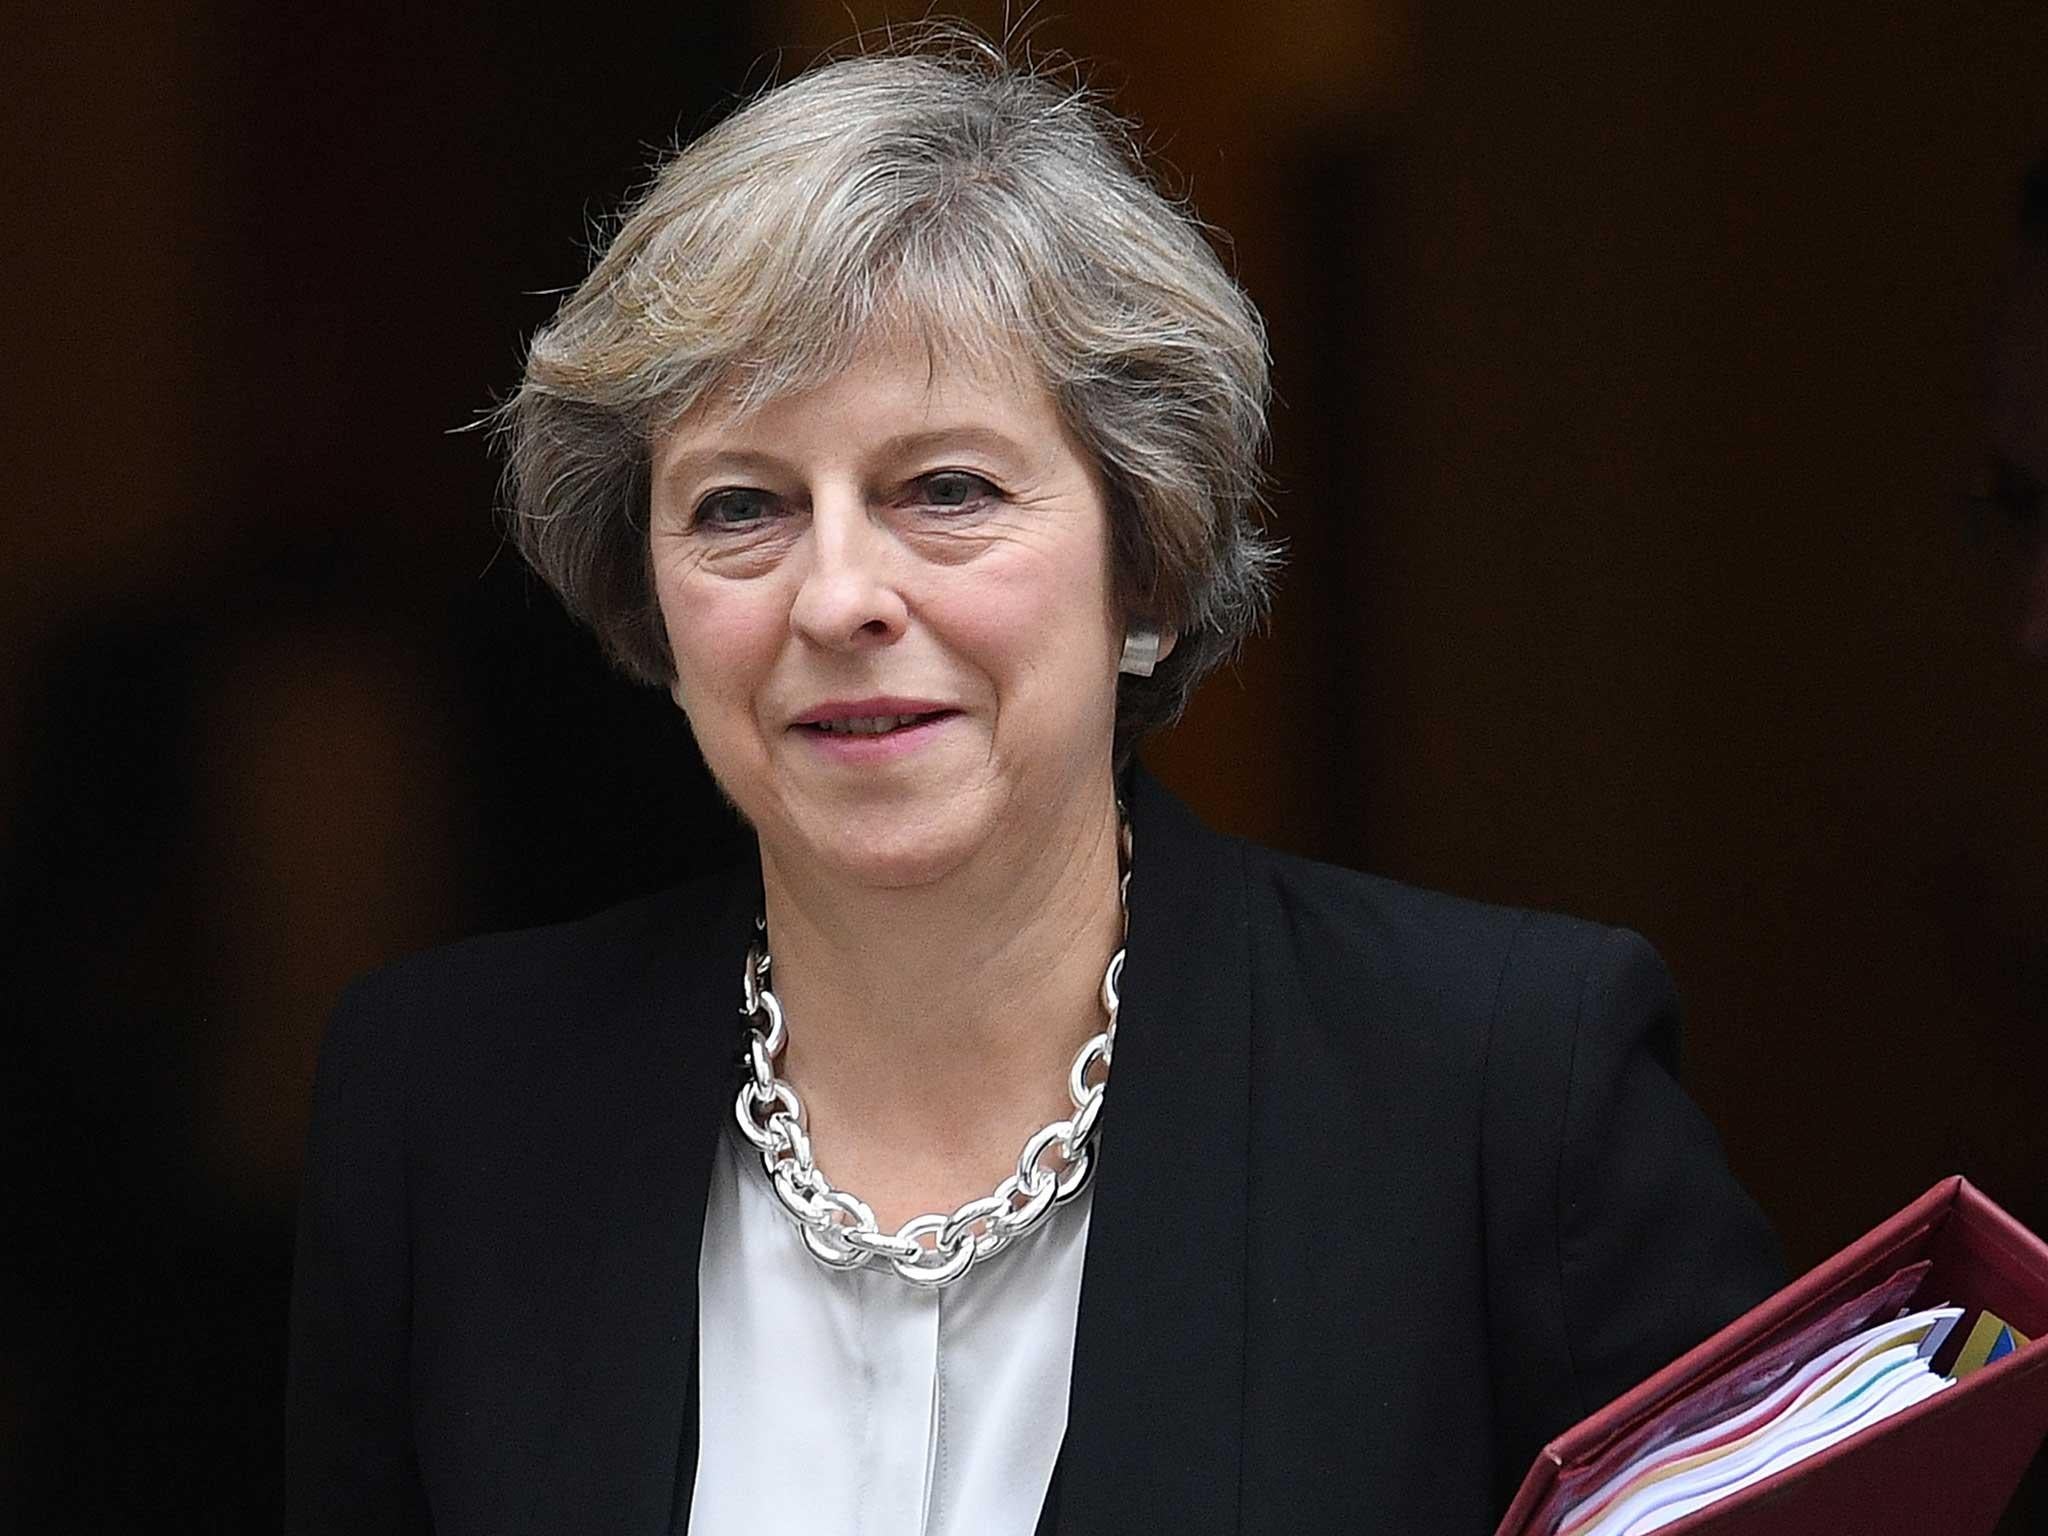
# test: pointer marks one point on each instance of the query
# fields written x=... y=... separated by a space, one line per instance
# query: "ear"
x=675 y=691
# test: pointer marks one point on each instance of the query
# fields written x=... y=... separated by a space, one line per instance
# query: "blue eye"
x=732 y=507
x=954 y=489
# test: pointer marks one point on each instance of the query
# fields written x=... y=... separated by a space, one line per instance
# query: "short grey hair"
x=939 y=188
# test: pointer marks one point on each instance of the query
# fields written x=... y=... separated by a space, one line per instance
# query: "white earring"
x=1141 y=652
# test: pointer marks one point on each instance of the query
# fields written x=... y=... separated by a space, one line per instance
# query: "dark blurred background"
x=1631 y=384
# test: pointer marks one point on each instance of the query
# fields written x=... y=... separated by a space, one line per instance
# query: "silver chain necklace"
x=838 y=1227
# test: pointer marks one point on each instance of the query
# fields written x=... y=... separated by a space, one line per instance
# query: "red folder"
x=1944 y=1467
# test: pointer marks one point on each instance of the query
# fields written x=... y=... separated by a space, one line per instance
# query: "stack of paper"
x=1848 y=1387
x=1810 y=1414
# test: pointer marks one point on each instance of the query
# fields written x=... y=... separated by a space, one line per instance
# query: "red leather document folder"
x=1944 y=1467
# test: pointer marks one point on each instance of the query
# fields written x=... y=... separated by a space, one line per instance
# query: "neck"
x=931 y=1028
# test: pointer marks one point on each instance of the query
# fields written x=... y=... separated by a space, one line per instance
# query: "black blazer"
x=1392 y=1187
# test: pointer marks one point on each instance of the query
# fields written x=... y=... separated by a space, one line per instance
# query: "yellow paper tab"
x=1993 y=1338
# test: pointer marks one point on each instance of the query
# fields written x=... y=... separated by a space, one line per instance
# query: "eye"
x=732 y=507
x=953 y=490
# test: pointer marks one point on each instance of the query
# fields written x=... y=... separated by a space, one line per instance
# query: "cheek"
x=723 y=637
x=1049 y=619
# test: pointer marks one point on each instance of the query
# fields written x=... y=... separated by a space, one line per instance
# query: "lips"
x=869 y=725
x=870 y=717
x=870 y=732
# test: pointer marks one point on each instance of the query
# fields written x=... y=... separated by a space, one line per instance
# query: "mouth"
x=872 y=725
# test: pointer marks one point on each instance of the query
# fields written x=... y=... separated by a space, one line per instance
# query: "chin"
x=883 y=850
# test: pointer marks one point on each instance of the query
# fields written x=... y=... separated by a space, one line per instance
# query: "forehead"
x=891 y=381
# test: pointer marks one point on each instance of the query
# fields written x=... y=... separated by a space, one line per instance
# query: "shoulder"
x=539 y=992
x=1448 y=957
x=1349 y=905
x=568 y=956
x=1372 y=958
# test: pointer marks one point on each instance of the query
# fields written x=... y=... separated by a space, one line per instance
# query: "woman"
x=911 y=439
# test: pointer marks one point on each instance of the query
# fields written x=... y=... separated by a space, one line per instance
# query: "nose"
x=848 y=598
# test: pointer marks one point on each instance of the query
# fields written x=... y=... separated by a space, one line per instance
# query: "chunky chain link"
x=839 y=1228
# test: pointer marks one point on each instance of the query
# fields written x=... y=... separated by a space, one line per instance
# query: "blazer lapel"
x=626 y=1441
x=1155 y=1424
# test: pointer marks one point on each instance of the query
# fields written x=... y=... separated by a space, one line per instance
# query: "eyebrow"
x=744 y=460
x=911 y=444
x=903 y=445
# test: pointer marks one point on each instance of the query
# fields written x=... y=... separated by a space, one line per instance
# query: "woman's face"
x=888 y=599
